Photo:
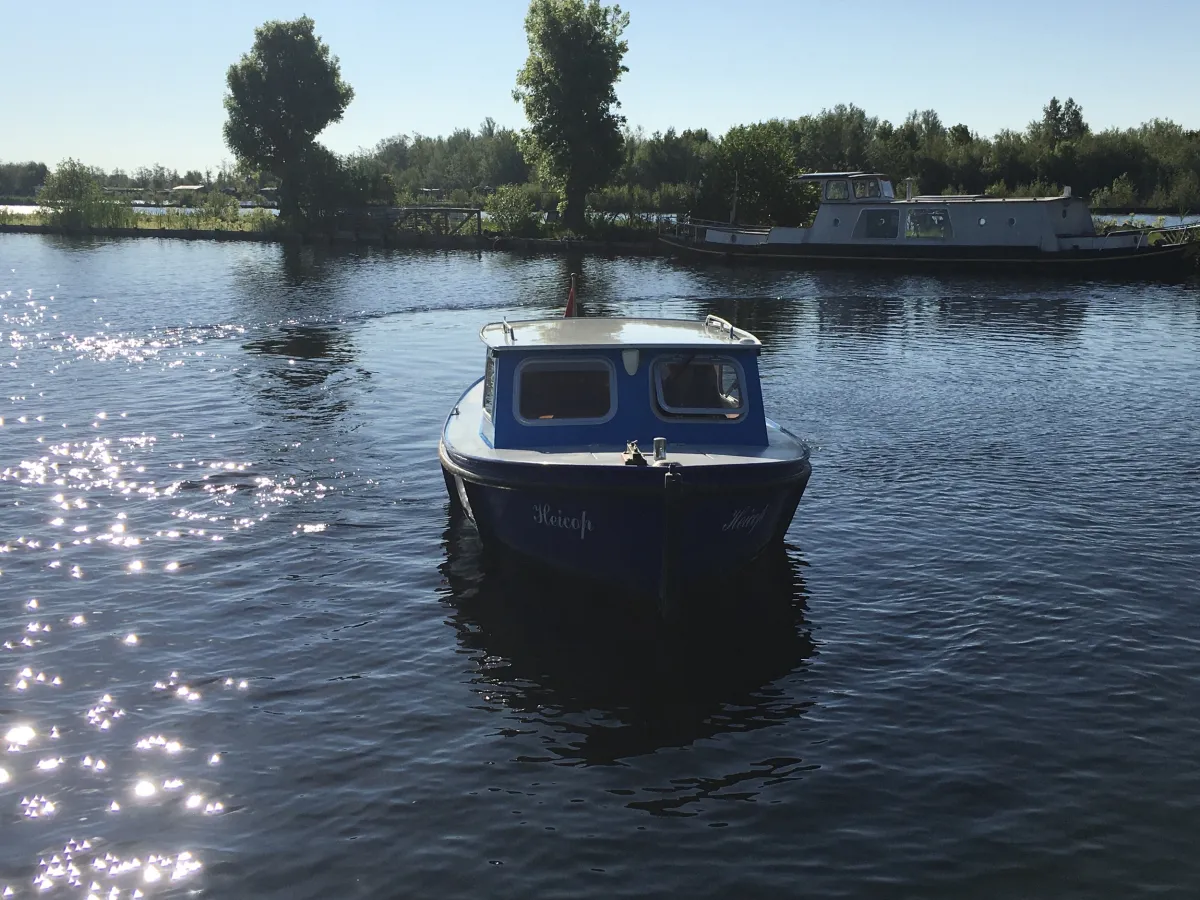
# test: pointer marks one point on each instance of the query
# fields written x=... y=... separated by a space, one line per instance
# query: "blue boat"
x=630 y=451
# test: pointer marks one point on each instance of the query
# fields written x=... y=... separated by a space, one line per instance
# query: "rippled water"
x=245 y=650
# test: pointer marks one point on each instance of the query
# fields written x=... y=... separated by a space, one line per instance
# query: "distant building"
x=190 y=188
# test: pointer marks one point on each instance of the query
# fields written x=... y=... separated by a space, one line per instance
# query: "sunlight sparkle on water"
x=20 y=735
x=144 y=789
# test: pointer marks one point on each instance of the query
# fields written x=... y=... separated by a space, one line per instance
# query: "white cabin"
x=861 y=208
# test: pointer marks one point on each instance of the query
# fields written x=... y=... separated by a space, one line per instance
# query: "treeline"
x=1154 y=165
x=22 y=179
x=25 y=180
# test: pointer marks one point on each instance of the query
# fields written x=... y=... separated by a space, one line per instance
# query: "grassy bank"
x=398 y=239
x=171 y=220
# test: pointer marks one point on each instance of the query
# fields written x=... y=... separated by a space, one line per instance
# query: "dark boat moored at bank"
x=861 y=222
x=544 y=452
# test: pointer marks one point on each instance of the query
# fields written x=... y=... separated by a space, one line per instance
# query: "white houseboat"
x=861 y=221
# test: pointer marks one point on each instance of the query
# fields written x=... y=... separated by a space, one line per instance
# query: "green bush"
x=221 y=207
x=76 y=200
x=511 y=209
x=1038 y=188
x=1121 y=194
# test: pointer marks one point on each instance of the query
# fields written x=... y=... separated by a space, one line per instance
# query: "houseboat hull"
x=653 y=531
x=1168 y=261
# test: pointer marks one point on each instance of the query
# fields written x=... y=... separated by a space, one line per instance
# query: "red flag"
x=570 y=313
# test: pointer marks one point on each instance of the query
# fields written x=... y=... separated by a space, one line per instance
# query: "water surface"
x=246 y=651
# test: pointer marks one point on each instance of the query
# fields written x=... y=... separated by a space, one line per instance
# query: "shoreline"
x=393 y=240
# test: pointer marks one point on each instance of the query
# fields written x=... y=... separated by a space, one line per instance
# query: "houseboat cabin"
x=860 y=219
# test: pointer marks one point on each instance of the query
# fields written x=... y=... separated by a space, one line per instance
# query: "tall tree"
x=282 y=94
x=1060 y=122
x=752 y=178
x=568 y=89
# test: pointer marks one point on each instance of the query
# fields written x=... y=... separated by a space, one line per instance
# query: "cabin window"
x=866 y=190
x=928 y=223
x=886 y=189
x=565 y=390
x=489 y=385
x=694 y=386
x=837 y=190
x=878 y=224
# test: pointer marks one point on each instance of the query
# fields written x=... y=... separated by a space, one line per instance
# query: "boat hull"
x=653 y=531
x=1161 y=261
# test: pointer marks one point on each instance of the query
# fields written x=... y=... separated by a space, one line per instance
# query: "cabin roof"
x=823 y=176
x=981 y=198
x=589 y=333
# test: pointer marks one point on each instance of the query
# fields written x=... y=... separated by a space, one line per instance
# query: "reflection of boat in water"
x=576 y=659
x=533 y=451
x=861 y=223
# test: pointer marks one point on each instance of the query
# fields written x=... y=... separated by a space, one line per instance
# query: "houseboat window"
x=928 y=223
x=878 y=224
x=699 y=386
x=489 y=385
x=885 y=188
x=565 y=389
x=866 y=189
x=837 y=190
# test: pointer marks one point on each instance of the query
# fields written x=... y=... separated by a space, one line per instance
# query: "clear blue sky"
x=126 y=83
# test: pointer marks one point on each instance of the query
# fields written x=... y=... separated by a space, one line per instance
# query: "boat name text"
x=745 y=519
x=580 y=524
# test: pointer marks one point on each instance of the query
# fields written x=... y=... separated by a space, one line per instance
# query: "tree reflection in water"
x=304 y=354
x=591 y=675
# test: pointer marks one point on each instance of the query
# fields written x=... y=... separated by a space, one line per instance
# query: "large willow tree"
x=282 y=94
x=568 y=89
